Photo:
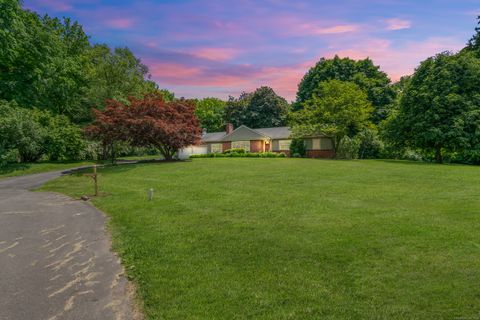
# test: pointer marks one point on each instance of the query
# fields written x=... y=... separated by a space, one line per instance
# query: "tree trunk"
x=104 y=151
x=113 y=155
x=166 y=152
x=336 y=145
x=168 y=156
x=438 y=155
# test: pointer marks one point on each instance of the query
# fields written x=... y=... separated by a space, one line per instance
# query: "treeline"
x=433 y=115
x=49 y=69
x=52 y=78
x=50 y=64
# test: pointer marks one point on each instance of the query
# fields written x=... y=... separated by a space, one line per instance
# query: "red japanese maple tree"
x=148 y=122
x=168 y=126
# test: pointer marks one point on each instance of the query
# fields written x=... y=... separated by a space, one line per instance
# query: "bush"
x=465 y=157
x=63 y=140
x=235 y=150
x=240 y=155
x=298 y=148
x=20 y=131
x=32 y=135
x=348 y=148
x=370 y=145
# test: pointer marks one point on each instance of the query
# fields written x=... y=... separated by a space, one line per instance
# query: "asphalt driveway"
x=55 y=258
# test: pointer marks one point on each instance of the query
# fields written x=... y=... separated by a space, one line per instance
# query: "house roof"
x=276 y=133
x=213 y=137
x=246 y=133
x=243 y=133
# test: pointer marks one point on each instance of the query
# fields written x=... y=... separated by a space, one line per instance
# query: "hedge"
x=240 y=155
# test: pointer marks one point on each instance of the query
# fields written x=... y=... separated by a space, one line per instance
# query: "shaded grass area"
x=295 y=238
x=19 y=169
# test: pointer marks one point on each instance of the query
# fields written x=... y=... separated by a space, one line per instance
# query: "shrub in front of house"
x=240 y=155
x=298 y=149
x=234 y=150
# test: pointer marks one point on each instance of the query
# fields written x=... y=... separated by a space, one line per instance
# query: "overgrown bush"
x=370 y=145
x=31 y=135
x=63 y=140
x=465 y=157
x=348 y=148
x=298 y=148
x=20 y=131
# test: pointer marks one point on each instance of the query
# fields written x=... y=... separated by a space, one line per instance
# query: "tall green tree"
x=116 y=75
x=440 y=109
x=336 y=108
x=43 y=62
x=362 y=72
x=236 y=109
x=211 y=114
x=49 y=64
x=260 y=109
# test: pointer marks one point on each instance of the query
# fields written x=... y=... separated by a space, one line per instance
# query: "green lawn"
x=296 y=238
x=20 y=169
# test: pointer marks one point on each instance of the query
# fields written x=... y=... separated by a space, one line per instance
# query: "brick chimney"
x=229 y=128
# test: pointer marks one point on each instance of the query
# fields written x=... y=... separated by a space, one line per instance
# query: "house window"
x=322 y=144
x=216 y=148
x=241 y=145
x=284 y=145
x=326 y=144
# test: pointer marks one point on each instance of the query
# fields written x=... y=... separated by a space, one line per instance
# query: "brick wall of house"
x=320 y=154
x=256 y=146
x=226 y=146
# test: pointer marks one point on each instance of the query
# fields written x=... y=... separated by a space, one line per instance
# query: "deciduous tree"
x=211 y=114
x=336 y=108
x=440 y=110
x=260 y=109
x=167 y=126
x=362 y=72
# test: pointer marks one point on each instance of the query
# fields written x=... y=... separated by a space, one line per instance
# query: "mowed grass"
x=20 y=169
x=296 y=238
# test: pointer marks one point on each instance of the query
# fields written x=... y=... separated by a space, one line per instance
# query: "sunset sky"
x=219 y=48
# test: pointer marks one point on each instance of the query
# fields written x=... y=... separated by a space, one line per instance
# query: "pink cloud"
x=120 y=23
x=283 y=79
x=56 y=5
x=398 y=24
x=396 y=61
x=293 y=26
x=219 y=54
x=174 y=73
x=334 y=29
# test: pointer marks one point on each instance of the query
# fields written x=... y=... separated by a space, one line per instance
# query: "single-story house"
x=259 y=140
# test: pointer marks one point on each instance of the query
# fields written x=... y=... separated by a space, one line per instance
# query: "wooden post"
x=94 y=177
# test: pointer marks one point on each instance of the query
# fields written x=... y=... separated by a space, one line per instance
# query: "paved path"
x=55 y=258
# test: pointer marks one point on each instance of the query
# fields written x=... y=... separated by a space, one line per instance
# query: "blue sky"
x=200 y=48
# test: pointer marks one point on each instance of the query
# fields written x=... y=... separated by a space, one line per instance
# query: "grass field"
x=19 y=169
x=296 y=238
